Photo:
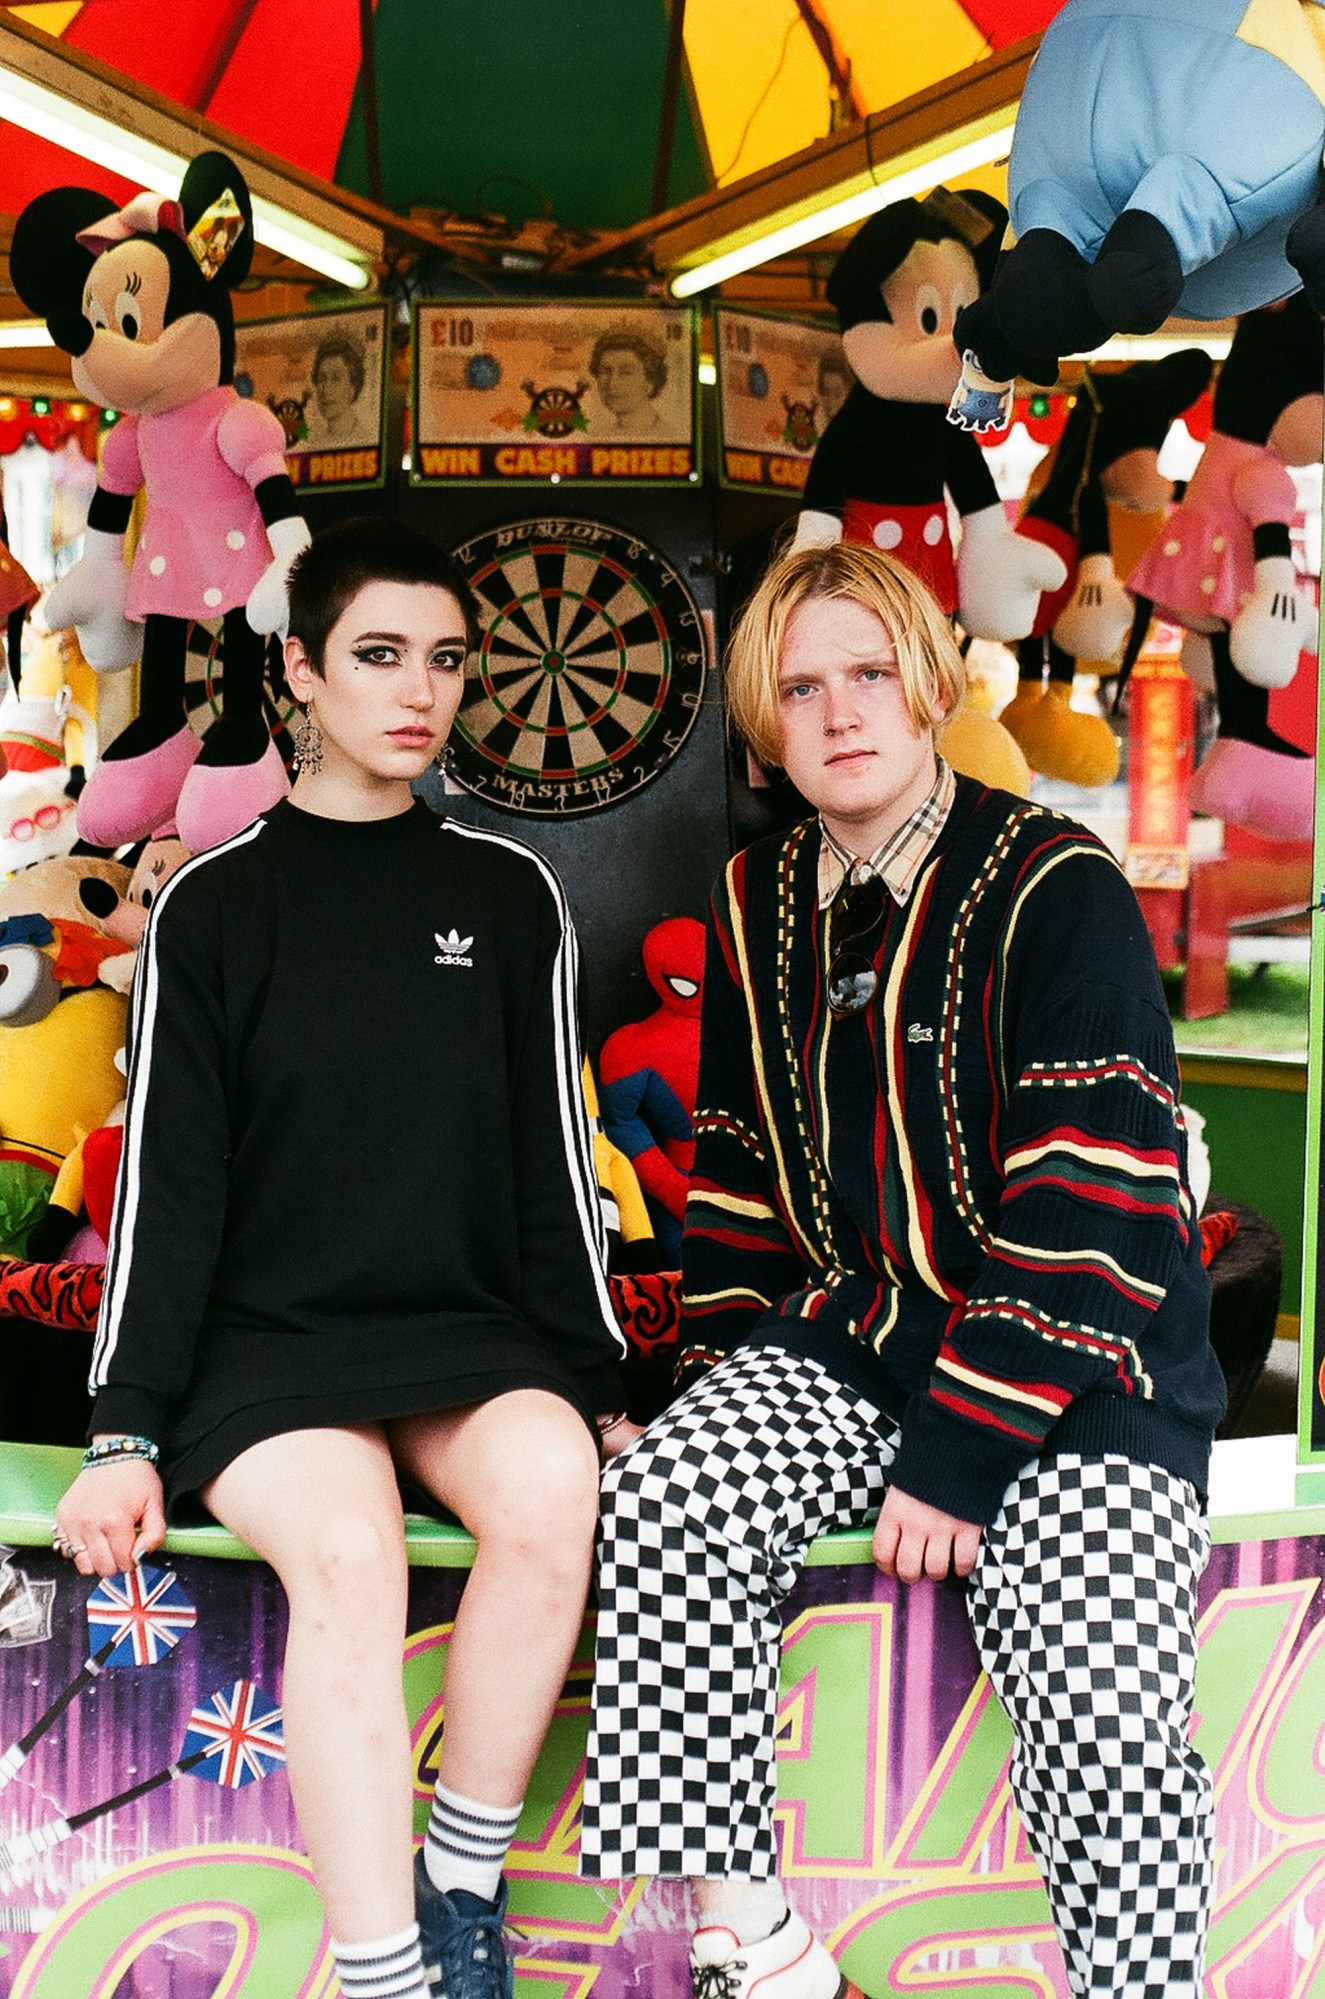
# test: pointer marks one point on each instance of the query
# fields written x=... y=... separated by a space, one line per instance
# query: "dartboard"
x=590 y=668
x=204 y=678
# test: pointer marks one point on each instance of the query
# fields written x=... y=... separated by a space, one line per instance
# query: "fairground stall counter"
x=148 y=1844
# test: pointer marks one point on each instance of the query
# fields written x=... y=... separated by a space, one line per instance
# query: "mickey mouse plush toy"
x=140 y=297
x=1107 y=458
x=885 y=460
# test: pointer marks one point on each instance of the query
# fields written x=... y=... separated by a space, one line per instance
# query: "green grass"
x=1267 y=1013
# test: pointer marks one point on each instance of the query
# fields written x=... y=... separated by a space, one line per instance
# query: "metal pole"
x=368 y=86
x=671 y=92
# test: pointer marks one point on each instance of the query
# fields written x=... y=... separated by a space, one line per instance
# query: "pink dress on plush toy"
x=1223 y=567
x=203 y=545
x=1201 y=571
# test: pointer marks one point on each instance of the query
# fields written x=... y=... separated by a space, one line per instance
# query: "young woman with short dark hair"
x=356 y=1237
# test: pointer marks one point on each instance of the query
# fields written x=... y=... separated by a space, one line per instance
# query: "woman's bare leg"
x=323 y=1509
x=521 y=1472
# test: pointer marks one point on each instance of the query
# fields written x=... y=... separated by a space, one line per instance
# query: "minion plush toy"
x=1167 y=158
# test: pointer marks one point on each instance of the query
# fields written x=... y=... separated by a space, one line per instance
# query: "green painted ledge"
x=33 y=1476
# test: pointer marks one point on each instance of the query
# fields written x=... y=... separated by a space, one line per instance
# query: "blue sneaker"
x=461 y=1936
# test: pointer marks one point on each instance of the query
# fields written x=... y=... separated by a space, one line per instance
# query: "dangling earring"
x=308 y=744
x=441 y=763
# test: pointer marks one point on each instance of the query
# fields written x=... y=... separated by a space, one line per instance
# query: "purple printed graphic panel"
x=899 y=1844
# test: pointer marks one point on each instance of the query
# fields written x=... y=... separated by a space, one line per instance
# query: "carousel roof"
x=516 y=108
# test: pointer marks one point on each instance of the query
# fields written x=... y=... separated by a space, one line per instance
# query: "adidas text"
x=452 y=948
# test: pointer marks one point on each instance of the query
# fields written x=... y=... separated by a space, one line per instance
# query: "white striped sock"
x=390 y=1968
x=466 y=1843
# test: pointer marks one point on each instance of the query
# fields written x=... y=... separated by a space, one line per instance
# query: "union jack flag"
x=235 y=1737
x=143 y=1613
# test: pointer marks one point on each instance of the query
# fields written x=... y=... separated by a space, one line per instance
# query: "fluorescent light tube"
x=1154 y=346
x=48 y=115
x=25 y=333
x=848 y=209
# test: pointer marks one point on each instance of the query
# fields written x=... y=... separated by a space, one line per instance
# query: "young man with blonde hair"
x=940 y=1259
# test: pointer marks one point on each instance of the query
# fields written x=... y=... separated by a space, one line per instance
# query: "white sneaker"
x=791 y=1964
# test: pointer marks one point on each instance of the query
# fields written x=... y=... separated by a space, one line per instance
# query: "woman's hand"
x=112 y=1515
x=621 y=1433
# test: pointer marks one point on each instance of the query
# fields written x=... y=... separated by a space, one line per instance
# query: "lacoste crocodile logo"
x=451 y=949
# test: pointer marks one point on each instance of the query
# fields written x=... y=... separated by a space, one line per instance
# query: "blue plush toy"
x=1167 y=158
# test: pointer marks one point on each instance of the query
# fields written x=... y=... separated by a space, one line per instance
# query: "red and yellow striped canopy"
x=515 y=106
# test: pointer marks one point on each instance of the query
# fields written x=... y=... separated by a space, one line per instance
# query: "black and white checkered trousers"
x=1083 y=1605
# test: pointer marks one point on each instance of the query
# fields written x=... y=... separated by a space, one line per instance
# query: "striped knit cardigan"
x=970 y=1202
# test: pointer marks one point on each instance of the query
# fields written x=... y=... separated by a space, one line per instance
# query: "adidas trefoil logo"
x=451 y=949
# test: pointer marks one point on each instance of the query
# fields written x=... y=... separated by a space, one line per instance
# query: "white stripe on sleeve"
x=570 y=1089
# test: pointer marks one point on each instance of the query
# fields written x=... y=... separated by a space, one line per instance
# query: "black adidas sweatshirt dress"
x=357 y=1179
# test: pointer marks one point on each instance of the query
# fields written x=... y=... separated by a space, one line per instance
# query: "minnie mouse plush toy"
x=1223 y=569
x=140 y=297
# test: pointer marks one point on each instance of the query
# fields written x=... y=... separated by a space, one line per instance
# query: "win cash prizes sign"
x=324 y=375
x=520 y=393
x=780 y=383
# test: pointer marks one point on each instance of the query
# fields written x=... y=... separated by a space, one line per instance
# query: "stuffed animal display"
x=887 y=460
x=1166 y=158
x=888 y=464
x=54 y=937
x=37 y=817
x=649 y=1078
x=61 y=1033
x=140 y=298
x=125 y=920
x=48 y=735
x=66 y=1294
x=66 y=925
x=48 y=721
x=18 y=593
x=625 y=1212
x=1223 y=569
x=1106 y=459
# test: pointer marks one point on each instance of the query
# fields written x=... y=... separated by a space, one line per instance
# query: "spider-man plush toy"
x=649 y=1077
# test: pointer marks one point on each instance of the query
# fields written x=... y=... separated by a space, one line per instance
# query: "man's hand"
x=914 y=1540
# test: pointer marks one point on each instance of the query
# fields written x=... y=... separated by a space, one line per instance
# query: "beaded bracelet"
x=117 y=1450
x=608 y=1423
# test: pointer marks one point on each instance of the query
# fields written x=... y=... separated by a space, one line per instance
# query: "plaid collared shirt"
x=898 y=858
